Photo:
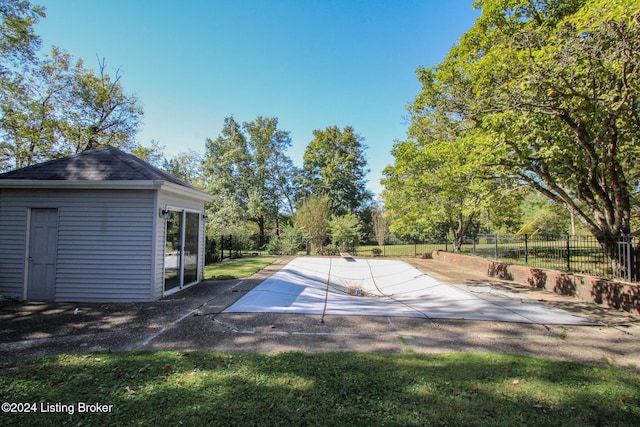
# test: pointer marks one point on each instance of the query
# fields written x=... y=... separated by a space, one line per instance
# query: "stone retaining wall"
x=614 y=294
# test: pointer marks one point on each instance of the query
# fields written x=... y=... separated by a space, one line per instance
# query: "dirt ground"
x=193 y=320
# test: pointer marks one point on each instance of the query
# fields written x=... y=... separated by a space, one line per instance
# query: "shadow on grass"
x=169 y=388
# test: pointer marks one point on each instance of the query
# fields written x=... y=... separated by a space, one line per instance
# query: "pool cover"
x=373 y=287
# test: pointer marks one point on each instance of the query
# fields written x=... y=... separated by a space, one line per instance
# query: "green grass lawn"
x=236 y=268
x=176 y=388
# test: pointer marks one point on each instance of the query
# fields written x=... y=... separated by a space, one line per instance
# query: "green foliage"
x=327 y=388
x=312 y=219
x=288 y=243
x=334 y=165
x=549 y=91
x=186 y=165
x=152 y=153
x=554 y=86
x=542 y=216
x=345 y=231
x=51 y=107
x=247 y=169
x=18 y=41
x=439 y=177
x=380 y=223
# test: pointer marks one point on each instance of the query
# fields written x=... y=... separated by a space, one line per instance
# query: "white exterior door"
x=43 y=253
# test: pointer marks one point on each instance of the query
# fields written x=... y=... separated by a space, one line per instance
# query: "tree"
x=380 y=225
x=152 y=153
x=554 y=87
x=51 y=107
x=56 y=109
x=540 y=215
x=312 y=218
x=247 y=169
x=18 y=41
x=334 y=164
x=187 y=166
x=100 y=113
x=439 y=178
x=345 y=230
x=18 y=46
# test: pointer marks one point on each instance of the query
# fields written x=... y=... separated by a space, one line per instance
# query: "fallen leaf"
x=128 y=390
x=516 y=383
x=474 y=388
x=166 y=366
x=144 y=368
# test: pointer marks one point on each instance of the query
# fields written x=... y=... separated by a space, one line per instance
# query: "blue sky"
x=310 y=63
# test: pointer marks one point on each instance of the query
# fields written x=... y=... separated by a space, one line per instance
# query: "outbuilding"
x=99 y=226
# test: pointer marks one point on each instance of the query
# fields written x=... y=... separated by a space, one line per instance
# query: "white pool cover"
x=372 y=287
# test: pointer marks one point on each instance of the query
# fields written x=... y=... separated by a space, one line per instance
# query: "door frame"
x=183 y=213
x=27 y=247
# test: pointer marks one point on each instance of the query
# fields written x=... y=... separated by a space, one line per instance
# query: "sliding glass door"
x=181 y=249
x=191 y=233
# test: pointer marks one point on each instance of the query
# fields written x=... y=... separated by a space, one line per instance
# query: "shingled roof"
x=98 y=164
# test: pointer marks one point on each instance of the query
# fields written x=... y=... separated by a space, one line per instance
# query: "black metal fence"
x=572 y=254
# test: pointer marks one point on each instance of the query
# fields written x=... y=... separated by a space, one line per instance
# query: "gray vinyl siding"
x=13 y=220
x=105 y=242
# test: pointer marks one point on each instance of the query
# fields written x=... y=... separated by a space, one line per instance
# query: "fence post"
x=629 y=260
x=526 y=249
x=474 y=244
x=230 y=244
x=221 y=247
x=496 y=247
x=568 y=253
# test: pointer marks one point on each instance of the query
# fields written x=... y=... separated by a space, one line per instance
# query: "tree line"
x=531 y=122
x=53 y=106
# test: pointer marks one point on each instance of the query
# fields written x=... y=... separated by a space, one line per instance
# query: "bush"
x=345 y=231
x=289 y=243
x=273 y=246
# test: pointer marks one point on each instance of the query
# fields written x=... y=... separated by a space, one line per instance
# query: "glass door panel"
x=191 y=232
x=172 y=254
